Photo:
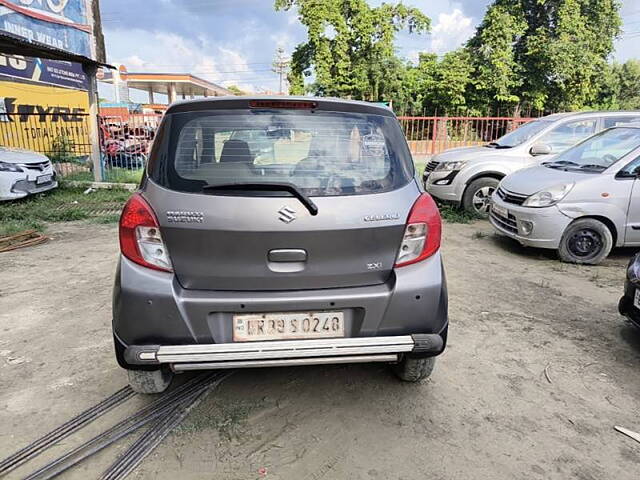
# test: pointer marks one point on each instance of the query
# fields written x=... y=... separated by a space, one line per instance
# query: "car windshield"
x=319 y=153
x=598 y=152
x=521 y=134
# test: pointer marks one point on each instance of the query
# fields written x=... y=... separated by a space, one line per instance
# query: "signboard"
x=53 y=72
x=61 y=24
x=36 y=116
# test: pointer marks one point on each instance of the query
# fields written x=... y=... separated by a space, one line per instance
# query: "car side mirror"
x=540 y=149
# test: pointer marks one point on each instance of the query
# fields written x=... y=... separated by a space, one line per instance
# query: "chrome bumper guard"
x=283 y=352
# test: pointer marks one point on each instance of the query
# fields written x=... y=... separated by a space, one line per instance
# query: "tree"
x=236 y=90
x=543 y=54
x=628 y=76
x=619 y=87
x=349 y=50
x=492 y=52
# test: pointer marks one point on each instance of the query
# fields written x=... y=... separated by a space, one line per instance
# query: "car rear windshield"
x=321 y=153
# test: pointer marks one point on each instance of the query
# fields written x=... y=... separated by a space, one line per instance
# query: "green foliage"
x=236 y=90
x=350 y=47
x=526 y=55
x=492 y=54
x=61 y=205
x=619 y=87
x=543 y=54
x=62 y=148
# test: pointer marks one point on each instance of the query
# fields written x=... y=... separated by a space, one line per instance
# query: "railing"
x=430 y=135
x=125 y=145
x=125 y=141
x=63 y=137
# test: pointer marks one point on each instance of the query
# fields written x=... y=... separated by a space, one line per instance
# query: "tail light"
x=140 y=239
x=422 y=233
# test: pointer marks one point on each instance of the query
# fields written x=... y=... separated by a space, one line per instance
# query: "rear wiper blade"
x=266 y=187
x=497 y=145
x=561 y=163
x=593 y=166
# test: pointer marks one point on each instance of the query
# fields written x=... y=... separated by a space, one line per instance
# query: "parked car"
x=328 y=254
x=468 y=176
x=583 y=203
x=629 y=304
x=23 y=172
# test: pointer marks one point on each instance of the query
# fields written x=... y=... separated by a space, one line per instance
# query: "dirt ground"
x=488 y=412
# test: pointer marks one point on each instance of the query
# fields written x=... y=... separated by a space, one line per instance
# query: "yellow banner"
x=46 y=119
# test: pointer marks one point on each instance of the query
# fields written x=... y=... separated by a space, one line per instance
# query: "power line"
x=280 y=65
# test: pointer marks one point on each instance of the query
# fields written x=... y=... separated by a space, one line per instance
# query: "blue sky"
x=234 y=41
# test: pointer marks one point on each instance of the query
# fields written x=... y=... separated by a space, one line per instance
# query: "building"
x=50 y=52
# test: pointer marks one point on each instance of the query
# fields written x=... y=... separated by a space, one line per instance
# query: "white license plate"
x=43 y=179
x=636 y=299
x=503 y=212
x=287 y=326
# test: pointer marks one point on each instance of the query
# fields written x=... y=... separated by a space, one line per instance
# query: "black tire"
x=585 y=241
x=150 y=381
x=414 y=369
x=477 y=196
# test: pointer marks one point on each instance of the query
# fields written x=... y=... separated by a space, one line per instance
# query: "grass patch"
x=122 y=175
x=113 y=175
x=16 y=226
x=455 y=214
x=61 y=205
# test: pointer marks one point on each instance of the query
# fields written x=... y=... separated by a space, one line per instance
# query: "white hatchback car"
x=23 y=172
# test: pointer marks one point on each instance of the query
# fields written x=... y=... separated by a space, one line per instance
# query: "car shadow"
x=630 y=334
x=619 y=256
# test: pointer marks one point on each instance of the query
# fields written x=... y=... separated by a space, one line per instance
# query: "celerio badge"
x=382 y=217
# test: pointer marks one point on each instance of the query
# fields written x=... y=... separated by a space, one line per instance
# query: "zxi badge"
x=287 y=215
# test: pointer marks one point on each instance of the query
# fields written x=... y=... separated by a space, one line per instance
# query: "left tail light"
x=140 y=238
x=422 y=234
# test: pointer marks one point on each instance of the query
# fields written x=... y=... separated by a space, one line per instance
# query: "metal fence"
x=63 y=137
x=125 y=141
x=430 y=135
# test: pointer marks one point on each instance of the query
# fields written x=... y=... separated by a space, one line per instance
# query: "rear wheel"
x=149 y=381
x=587 y=241
x=477 y=196
x=414 y=369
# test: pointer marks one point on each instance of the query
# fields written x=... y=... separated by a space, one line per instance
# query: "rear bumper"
x=625 y=305
x=285 y=352
x=151 y=309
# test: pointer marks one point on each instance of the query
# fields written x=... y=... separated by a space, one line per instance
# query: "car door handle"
x=288 y=255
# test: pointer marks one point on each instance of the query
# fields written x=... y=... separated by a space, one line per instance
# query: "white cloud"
x=451 y=31
x=168 y=52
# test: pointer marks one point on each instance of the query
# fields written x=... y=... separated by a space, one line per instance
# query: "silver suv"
x=468 y=176
x=278 y=231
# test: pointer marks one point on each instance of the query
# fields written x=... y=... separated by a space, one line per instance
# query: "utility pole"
x=280 y=65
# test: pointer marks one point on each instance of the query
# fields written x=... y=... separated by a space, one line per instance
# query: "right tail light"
x=422 y=234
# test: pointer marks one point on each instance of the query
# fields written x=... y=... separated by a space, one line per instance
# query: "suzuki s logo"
x=287 y=215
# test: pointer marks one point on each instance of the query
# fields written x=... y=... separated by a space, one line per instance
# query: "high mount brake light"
x=140 y=239
x=422 y=234
x=292 y=104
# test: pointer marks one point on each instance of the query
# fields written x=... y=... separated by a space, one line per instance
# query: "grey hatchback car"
x=274 y=232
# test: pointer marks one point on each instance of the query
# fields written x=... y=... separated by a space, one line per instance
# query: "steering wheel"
x=609 y=158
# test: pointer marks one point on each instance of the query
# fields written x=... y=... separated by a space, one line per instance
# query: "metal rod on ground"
x=159 y=407
x=64 y=430
x=142 y=447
